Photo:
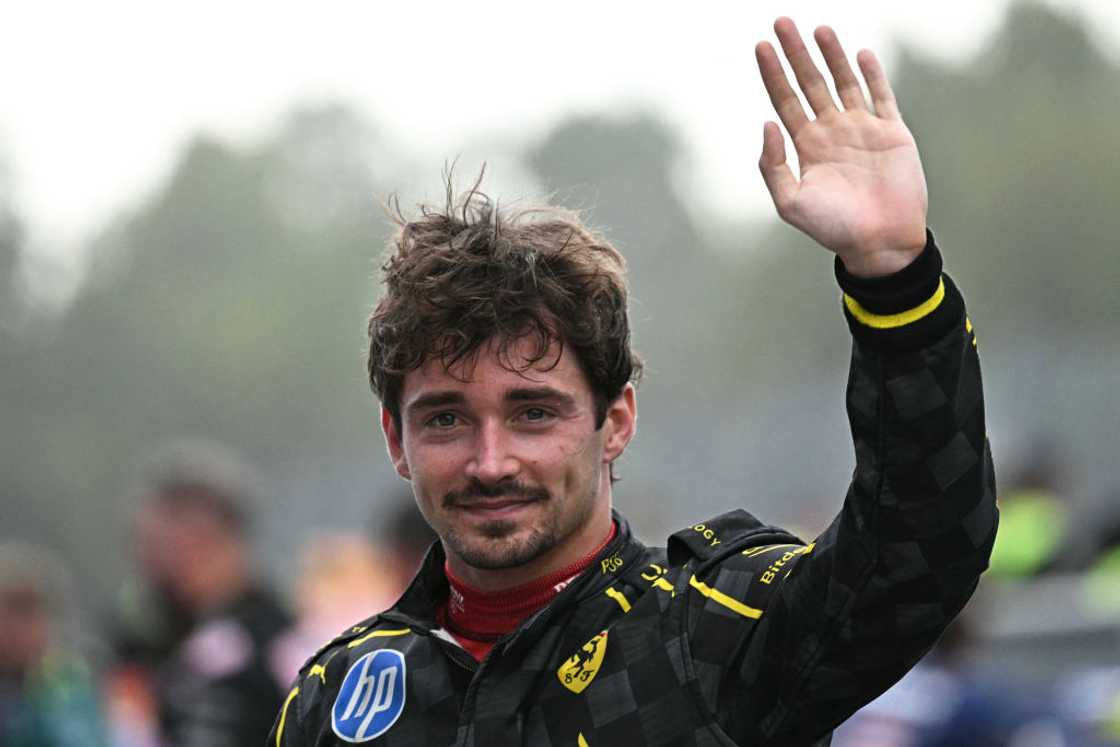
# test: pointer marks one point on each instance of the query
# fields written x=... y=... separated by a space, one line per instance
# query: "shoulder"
x=729 y=566
x=329 y=664
x=323 y=675
x=729 y=538
x=326 y=672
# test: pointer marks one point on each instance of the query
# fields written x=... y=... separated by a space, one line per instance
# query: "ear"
x=620 y=423
x=394 y=444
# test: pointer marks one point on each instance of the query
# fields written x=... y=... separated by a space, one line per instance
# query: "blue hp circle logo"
x=371 y=698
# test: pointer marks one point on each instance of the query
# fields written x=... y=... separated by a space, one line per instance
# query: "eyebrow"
x=435 y=399
x=521 y=394
x=540 y=393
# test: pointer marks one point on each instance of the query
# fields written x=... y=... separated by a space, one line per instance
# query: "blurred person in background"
x=338 y=574
x=342 y=576
x=1090 y=699
x=148 y=624
x=406 y=537
x=47 y=694
x=1035 y=518
x=216 y=676
x=1101 y=587
x=944 y=702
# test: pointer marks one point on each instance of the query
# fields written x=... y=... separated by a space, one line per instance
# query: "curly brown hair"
x=459 y=277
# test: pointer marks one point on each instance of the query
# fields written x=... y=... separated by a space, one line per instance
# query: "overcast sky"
x=97 y=98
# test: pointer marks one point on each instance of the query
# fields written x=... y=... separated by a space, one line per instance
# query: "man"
x=221 y=681
x=500 y=352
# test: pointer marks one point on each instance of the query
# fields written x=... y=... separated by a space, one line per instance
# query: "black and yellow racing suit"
x=735 y=633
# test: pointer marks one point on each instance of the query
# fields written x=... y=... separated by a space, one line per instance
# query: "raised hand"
x=862 y=193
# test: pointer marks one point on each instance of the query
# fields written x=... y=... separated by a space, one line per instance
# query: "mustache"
x=476 y=489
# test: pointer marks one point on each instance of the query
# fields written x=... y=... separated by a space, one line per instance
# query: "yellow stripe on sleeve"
x=751 y=552
x=619 y=597
x=284 y=715
x=719 y=597
x=901 y=319
x=378 y=634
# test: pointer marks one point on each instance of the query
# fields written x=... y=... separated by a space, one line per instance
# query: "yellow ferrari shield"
x=578 y=671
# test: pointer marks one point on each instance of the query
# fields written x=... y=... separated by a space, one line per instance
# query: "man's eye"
x=535 y=414
x=443 y=420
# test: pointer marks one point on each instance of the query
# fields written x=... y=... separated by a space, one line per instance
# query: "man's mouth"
x=492 y=499
x=496 y=505
x=495 y=508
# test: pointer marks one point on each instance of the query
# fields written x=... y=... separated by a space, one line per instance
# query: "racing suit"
x=735 y=633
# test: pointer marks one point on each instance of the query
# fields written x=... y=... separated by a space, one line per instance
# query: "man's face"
x=176 y=547
x=25 y=624
x=507 y=467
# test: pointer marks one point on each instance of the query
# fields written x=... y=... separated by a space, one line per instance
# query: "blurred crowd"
x=202 y=649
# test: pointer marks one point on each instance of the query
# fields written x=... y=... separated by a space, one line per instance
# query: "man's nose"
x=493 y=459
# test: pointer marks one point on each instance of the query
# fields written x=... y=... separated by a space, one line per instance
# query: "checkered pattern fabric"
x=735 y=633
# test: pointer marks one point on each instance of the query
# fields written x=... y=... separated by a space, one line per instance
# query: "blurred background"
x=189 y=239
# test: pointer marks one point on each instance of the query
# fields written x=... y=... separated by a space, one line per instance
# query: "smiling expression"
x=508 y=466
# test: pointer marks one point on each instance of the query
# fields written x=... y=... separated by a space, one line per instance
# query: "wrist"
x=902 y=310
x=877 y=259
x=877 y=263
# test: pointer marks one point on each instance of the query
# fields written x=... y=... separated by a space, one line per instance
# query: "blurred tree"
x=17 y=366
x=1021 y=152
x=11 y=240
x=229 y=306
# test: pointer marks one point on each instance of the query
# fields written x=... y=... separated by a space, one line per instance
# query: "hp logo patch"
x=371 y=698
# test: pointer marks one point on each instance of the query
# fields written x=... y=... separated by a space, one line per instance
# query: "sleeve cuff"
x=903 y=311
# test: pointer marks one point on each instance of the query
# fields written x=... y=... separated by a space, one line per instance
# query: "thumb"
x=779 y=178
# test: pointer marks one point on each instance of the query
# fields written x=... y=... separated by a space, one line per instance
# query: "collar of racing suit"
x=418 y=606
x=485 y=616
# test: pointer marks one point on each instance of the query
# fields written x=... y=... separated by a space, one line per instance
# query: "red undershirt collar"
x=478 y=618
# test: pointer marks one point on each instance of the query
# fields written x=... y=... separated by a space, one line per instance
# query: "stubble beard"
x=500 y=547
x=501 y=544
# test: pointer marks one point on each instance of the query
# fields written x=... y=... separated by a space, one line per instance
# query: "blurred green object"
x=1101 y=593
x=1112 y=727
x=1032 y=525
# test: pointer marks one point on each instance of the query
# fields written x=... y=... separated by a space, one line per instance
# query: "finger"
x=805 y=70
x=882 y=97
x=779 y=178
x=847 y=85
x=785 y=101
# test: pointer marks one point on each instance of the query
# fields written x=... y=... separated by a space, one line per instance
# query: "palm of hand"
x=861 y=185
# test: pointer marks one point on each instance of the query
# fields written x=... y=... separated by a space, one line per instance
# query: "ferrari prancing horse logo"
x=578 y=671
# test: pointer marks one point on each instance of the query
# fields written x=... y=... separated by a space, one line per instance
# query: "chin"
x=492 y=553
